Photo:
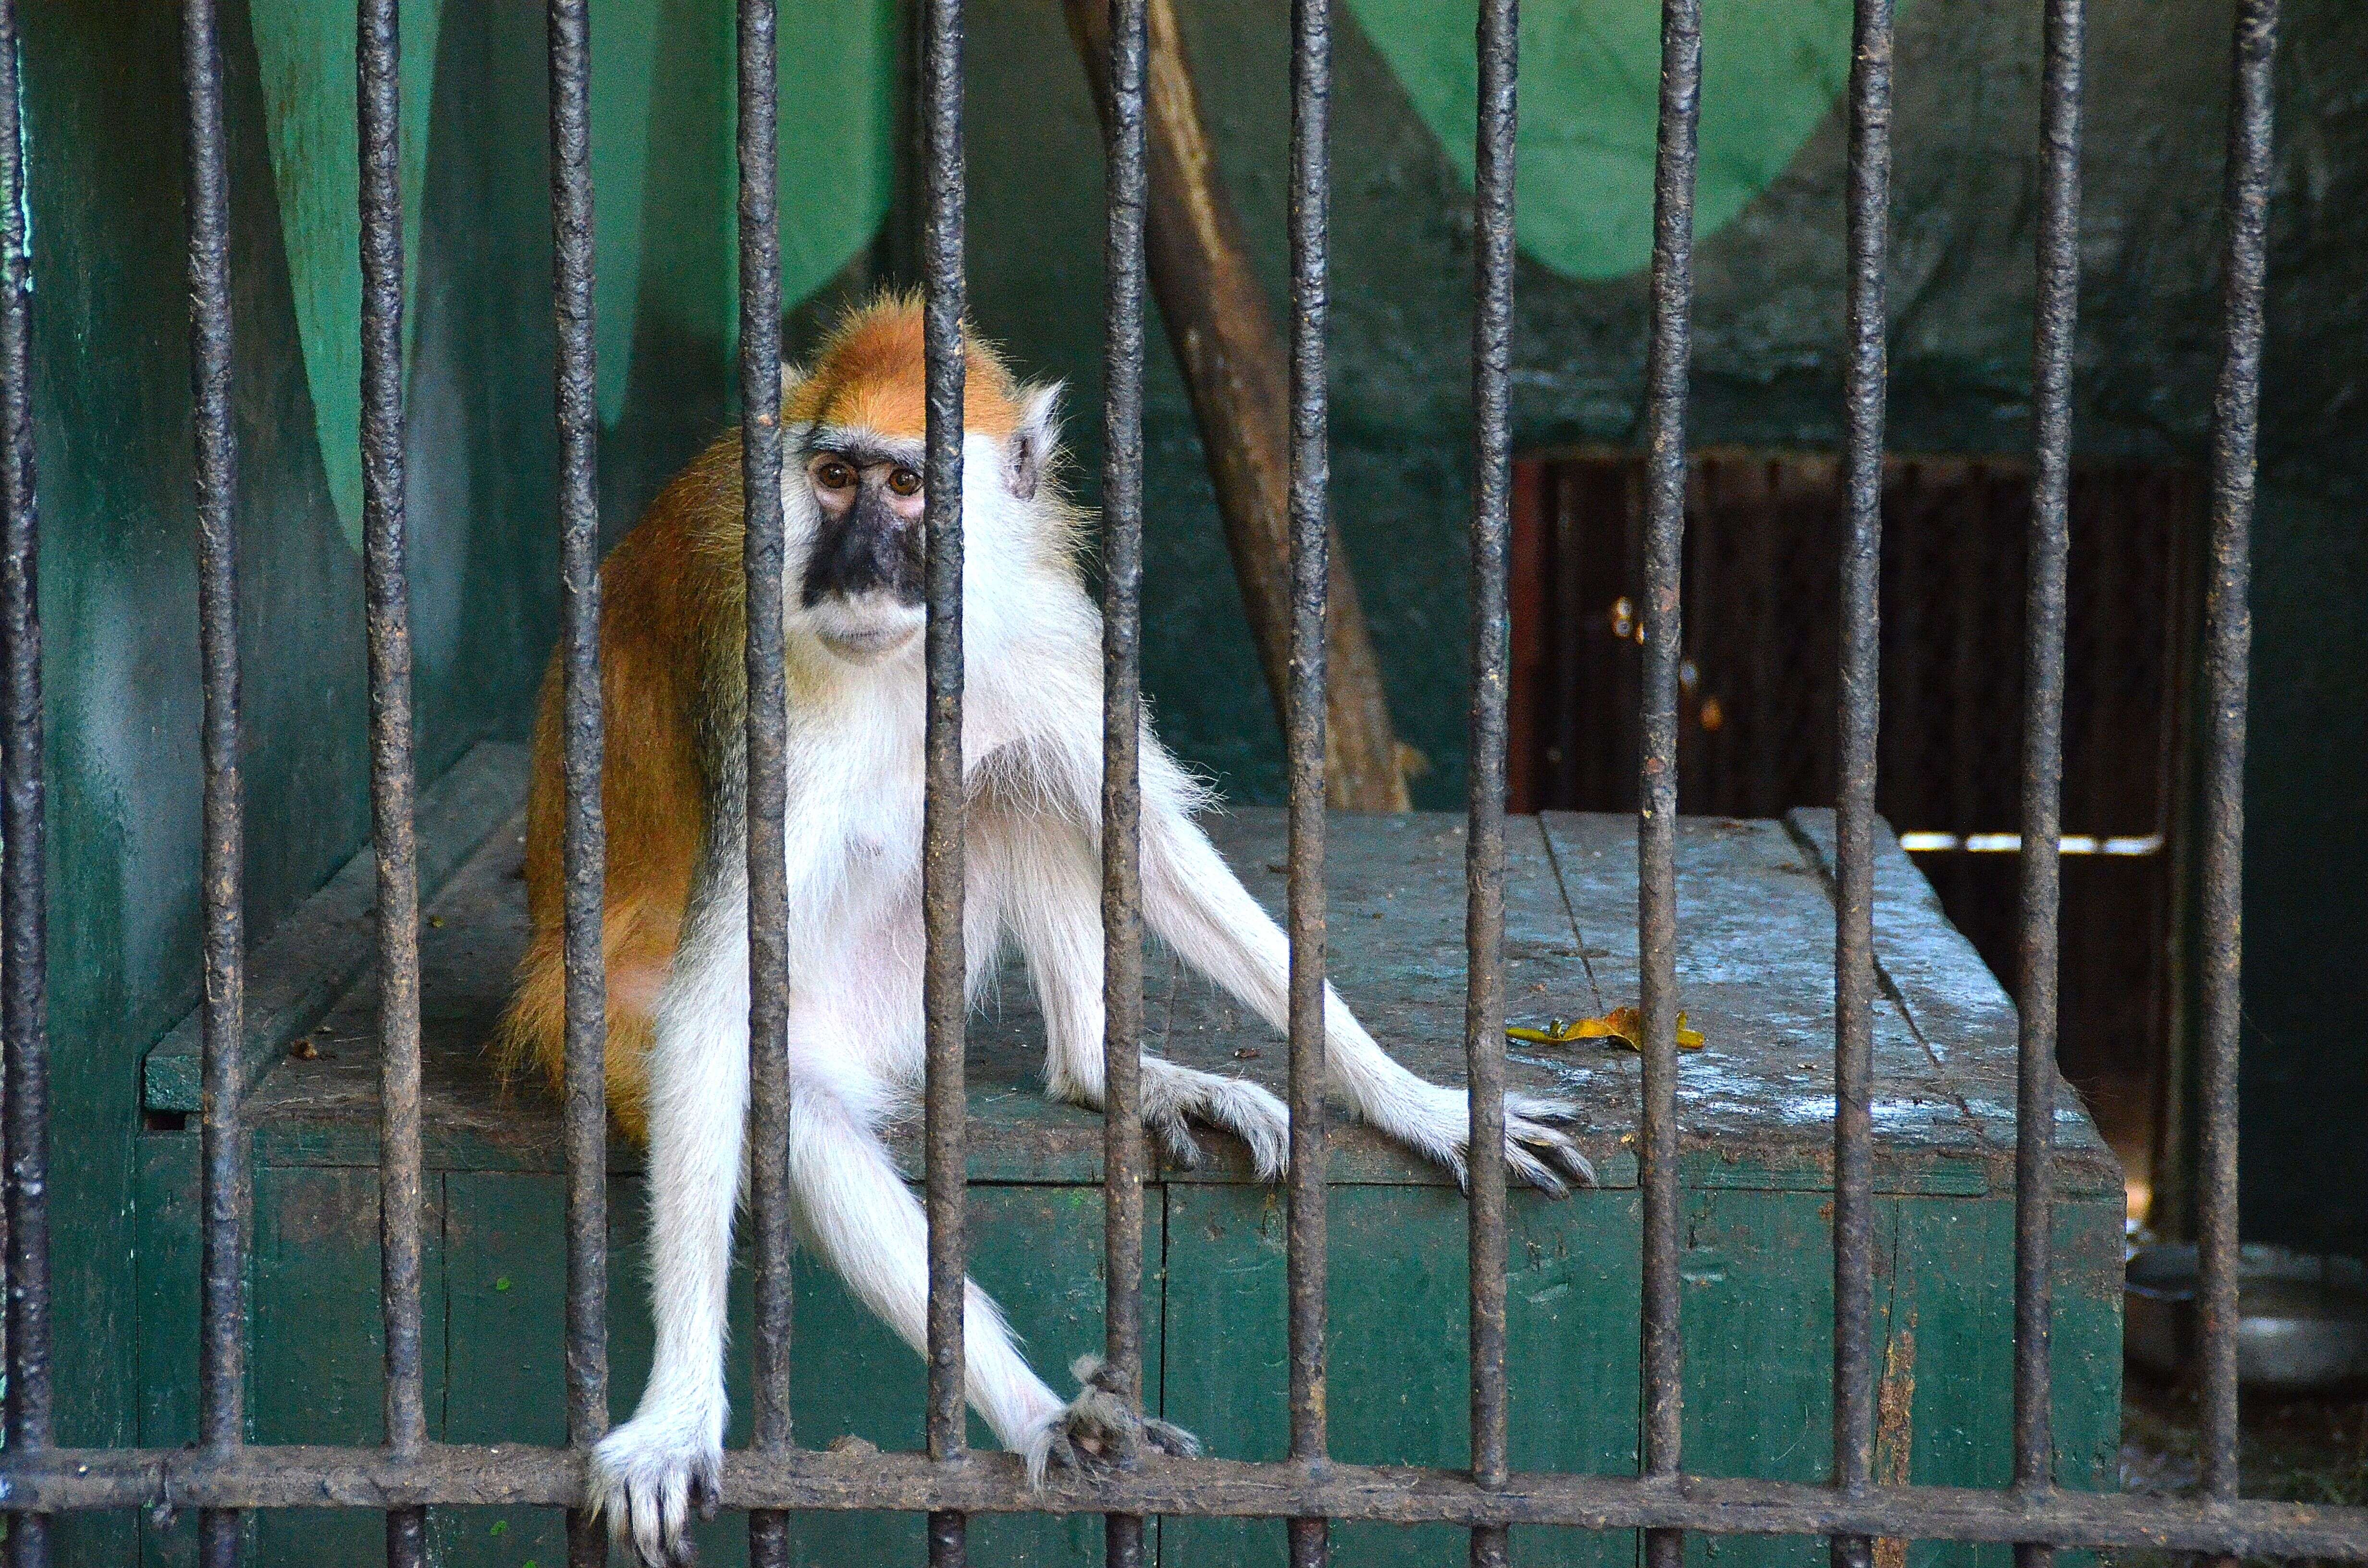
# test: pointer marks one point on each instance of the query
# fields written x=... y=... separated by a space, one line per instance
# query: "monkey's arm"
x=1192 y=898
x=649 y=1473
x=1045 y=861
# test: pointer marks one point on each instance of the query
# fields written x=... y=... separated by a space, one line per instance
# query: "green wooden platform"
x=1754 y=970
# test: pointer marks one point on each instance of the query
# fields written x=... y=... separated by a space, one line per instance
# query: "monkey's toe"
x=646 y=1478
x=1545 y=1155
x=1176 y=1140
x=1099 y=1430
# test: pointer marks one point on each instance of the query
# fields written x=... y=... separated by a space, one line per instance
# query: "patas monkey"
x=671 y=659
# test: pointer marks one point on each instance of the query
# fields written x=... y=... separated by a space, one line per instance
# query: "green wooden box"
x=1754 y=964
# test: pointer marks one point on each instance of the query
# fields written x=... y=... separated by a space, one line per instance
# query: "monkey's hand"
x=648 y=1474
x=1538 y=1149
x=1099 y=1430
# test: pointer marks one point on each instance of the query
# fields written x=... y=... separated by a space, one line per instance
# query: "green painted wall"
x=1767 y=369
x=112 y=406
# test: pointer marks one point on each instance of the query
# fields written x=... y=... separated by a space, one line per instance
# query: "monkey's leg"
x=649 y=1473
x=1052 y=904
x=854 y=1208
x=1194 y=900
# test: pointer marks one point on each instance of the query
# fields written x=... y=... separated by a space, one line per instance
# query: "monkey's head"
x=853 y=488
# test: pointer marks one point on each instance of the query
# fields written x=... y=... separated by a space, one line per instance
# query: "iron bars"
x=224 y=1184
x=1864 y=384
x=2227 y=644
x=2043 y=753
x=1667 y=357
x=1305 y=1270
x=583 y=847
x=1126 y=185
x=944 y=997
x=387 y=615
x=223 y=1477
x=763 y=547
x=1497 y=44
x=24 y=955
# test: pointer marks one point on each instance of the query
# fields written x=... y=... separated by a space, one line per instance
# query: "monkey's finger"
x=1554 y=1147
x=1169 y=1438
x=1531 y=1169
x=1176 y=1138
x=1544 y=1112
x=1564 y=1156
x=675 y=1522
x=706 y=1492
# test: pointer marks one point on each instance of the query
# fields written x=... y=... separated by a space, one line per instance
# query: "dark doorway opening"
x=1758 y=697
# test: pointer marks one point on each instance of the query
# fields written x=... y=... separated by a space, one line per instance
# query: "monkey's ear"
x=1032 y=445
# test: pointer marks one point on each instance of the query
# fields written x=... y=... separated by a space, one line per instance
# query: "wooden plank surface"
x=1754 y=970
x=315 y=955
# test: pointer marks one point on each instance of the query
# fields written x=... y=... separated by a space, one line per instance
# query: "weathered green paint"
x=111 y=412
x=305 y=56
x=1397 y=1380
x=838 y=64
x=1758 y=1310
x=1590 y=74
x=494 y=1282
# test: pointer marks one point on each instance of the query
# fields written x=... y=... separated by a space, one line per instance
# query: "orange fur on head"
x=871 y=374
x=673 y=619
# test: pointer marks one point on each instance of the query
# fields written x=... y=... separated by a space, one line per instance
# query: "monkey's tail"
x=532 y=1034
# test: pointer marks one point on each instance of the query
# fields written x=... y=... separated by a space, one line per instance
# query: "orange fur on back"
x=673 y=619
x=670 y=603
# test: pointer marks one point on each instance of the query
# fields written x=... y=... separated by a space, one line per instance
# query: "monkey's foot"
x=1098 y=1429
x=648 y=1476
x=1174 y=1096
x=1537 y=1148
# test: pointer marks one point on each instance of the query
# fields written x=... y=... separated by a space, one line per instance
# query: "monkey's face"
x=862 y=580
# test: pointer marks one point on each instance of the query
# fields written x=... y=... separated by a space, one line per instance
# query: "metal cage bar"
x=393 y=830
x=221 y=1477
x=944 y=1002
x=1667 y=357
x=523 y=1476
x=1496 y=43
x=1126 y=187
x=763 y=549
x=2058 y=264
x=1305 y=1270
x=24 y=956
x=1864 y=382
x=583 y=847
x=2227 y=643
x=226 y=1197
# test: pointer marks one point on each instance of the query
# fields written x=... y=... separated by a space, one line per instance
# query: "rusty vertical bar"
x=583 y=847
x=393 y=830
x=1667 y=360
x=1495 y=45
x=1864 y=382
x=1311 y=100
x=23 y=947
x=1126 y=182
x=2043 y=749
x=221 y=1347
x=2227 y=644
x=763 y=546
x=944 y=1001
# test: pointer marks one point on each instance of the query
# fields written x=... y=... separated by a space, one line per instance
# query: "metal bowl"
x=2302 y=1320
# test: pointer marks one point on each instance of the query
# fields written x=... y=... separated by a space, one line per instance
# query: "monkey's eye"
x=832 y=474
x=905 y=482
